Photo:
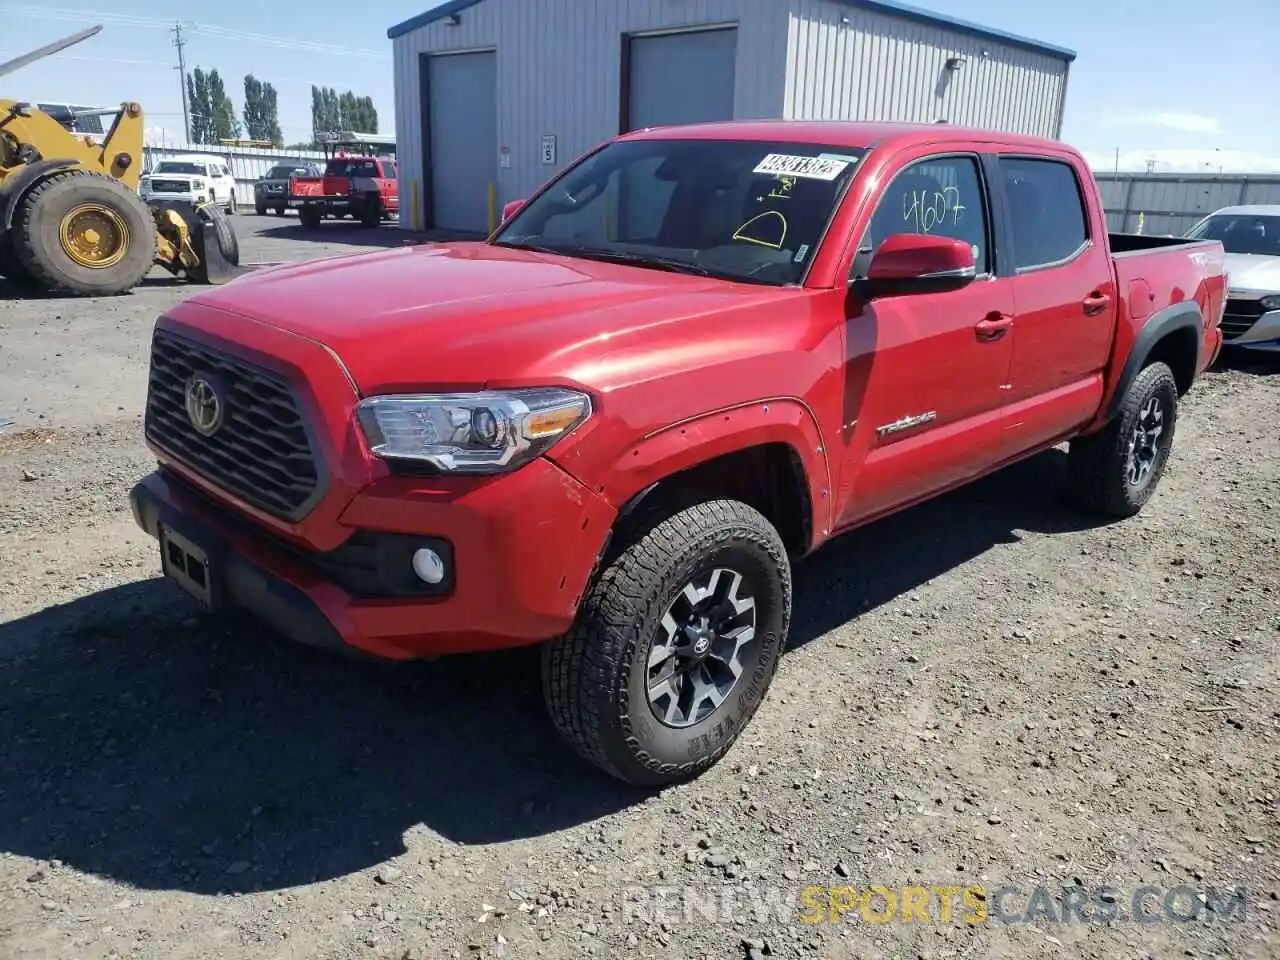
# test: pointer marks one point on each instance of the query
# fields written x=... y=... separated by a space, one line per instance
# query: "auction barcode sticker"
x=788 y=165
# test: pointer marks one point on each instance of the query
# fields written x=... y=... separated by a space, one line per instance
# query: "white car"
x=196 y=178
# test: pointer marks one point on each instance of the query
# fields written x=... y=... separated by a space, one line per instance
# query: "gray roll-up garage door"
x=463 y=92
x=681 y=78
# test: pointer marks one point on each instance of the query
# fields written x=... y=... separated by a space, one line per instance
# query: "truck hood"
x=1248 y=271
x=468 y=314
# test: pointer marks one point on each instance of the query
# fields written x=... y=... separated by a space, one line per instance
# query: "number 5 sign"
x=548 y=148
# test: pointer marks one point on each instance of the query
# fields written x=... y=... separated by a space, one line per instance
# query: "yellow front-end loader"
x=71 y=219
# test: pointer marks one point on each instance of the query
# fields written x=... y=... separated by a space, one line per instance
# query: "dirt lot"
x=990 y=690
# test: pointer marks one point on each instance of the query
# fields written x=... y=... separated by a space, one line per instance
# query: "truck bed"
x=318 y=188
x=1123 y=244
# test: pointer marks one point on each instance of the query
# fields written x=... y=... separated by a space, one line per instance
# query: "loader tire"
x=79 y=233
x=11 y=267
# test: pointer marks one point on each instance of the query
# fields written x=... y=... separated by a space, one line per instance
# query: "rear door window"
x=1046 y=210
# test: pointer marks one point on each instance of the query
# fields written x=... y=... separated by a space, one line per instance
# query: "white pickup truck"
x=196 y=178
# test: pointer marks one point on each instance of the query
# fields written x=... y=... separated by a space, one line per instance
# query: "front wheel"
x=260 y=209
x=674 y=646
x=1115 y=471
x=231 y=204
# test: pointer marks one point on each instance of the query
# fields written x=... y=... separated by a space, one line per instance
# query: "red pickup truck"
x=690 y=359
x=365 y=187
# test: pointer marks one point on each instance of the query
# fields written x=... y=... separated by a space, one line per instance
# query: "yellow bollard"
x=493 y=203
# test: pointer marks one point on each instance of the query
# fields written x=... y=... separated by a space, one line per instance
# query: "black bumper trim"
x=242 y=584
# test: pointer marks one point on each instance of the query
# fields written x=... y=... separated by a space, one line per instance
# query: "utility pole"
x=179 y=41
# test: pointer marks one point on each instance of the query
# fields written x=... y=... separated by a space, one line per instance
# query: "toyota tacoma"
x=690 y=359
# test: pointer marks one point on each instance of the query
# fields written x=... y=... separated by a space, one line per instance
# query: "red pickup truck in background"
x=367 y=188
x=689 y=360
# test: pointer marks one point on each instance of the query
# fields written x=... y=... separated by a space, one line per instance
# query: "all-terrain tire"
x=37 y=239
x=595 y=679
x=310 y=215
x=11 y=267
x=260 y=209
x=371 y=212
x=1100 y=466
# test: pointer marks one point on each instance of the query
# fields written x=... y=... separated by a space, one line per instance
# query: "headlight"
x=197 y=184
x=1271 y=303
x=487 y=432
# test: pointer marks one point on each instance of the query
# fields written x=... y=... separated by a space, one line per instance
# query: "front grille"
x=261 y=452
x=170 y=186
x=1240 y=316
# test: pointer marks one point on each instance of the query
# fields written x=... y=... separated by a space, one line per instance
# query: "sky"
x=1189 y=85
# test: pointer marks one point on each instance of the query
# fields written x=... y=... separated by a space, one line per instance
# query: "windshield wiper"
x=631 y=258
x=673 y=264
x=535 y=247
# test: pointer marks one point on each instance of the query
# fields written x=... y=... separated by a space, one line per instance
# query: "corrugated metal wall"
x=1172 y=203
x=559 y=73
x=847 y=63
x=247 y=164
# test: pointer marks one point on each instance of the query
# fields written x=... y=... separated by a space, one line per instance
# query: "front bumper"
x=1262 y=334
x=273 y=198
x=523 y=547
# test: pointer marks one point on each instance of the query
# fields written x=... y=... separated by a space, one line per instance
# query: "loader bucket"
x=216 y=247
x=201 y=243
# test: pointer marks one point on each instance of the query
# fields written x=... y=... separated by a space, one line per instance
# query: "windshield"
x=352 y=167
x=283 y=173
x=1241 y=233
x=743 y=210
x=172 y=166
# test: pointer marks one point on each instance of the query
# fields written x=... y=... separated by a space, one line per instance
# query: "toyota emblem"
x=204 y=405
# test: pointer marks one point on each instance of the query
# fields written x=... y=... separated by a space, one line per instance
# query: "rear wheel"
x=674 y=646
x=371 y=212
x=1115 y=471
x=310 y=215
x=84 y=234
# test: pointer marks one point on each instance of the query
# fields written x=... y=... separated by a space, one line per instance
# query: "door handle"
x=1095 y=303
x=993 y=326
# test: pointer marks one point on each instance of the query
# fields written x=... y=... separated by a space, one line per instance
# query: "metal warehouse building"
x=494 y=96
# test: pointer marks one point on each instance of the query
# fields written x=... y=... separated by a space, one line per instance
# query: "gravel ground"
x=989 y=690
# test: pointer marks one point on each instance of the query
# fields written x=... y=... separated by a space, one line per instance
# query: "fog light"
x=428 y=565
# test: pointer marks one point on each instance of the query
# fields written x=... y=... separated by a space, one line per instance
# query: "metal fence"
x=1169 y=204
x=247 y=163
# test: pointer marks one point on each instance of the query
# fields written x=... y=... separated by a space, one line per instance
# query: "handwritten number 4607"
x=927 y=213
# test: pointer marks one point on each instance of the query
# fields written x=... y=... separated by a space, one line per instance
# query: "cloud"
x=1170 y=120
x=1185 y=161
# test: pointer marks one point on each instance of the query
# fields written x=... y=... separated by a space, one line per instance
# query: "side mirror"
x=510 y=209
x=919 y=263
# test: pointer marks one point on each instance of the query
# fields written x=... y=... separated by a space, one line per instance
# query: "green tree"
x=332 y=111
x=261 y=112
x=198 y=105
x=213 y=115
